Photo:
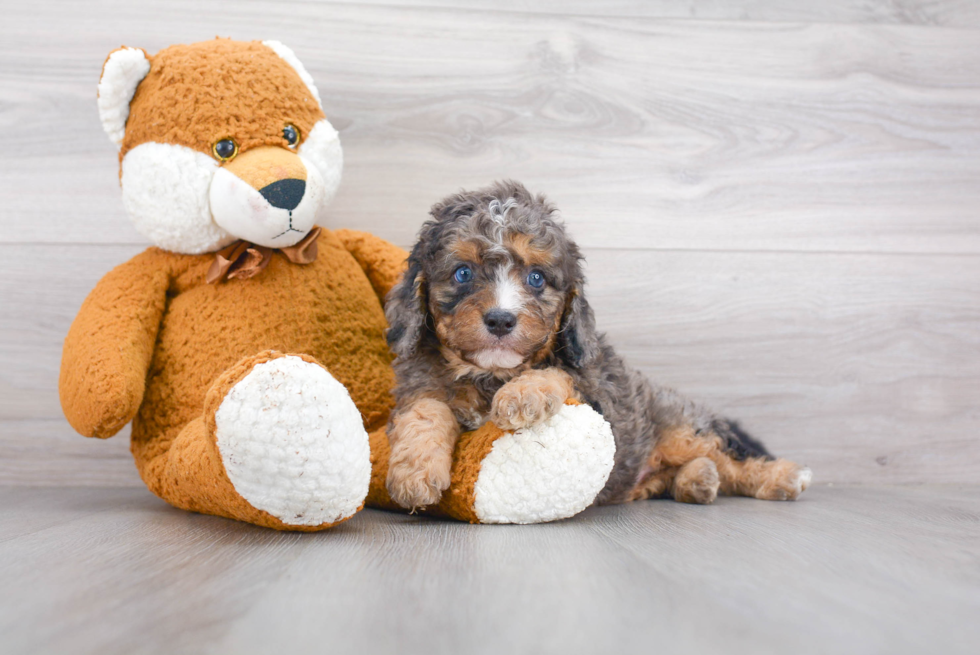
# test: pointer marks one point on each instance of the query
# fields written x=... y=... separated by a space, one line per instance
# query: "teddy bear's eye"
x=225 y=150
x=291 y=134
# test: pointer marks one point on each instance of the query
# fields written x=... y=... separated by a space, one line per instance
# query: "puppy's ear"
x=406 y=305
x=405 y=308
x=453 y=207
x=578 y=343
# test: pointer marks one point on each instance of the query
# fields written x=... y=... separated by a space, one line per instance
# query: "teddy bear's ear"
x=124 y=69
x=290 y=57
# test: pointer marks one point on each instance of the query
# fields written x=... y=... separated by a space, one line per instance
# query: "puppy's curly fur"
x=491 y=322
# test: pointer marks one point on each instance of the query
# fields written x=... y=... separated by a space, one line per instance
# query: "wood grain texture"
x=668 y=134
x=884 y=570
x=959 y=13
x=46 y=453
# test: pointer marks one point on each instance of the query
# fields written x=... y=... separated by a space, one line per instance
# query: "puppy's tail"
x=738 y=443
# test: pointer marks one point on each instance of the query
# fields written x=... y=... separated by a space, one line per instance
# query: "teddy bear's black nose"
x=284 y=194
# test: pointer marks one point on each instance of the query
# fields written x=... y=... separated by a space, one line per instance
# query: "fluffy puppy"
x=491 y=322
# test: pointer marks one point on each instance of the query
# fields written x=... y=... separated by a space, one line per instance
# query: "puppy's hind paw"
x=697 y=482
x=788 y=481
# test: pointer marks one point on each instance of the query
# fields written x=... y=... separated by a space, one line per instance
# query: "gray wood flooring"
x=886 y=570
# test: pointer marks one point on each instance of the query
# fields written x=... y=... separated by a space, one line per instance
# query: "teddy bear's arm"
x=383 y=262
x=109 y=346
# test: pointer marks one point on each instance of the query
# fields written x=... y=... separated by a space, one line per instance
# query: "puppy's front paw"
x=422 y=438
x=418 y=479
x=528 y=399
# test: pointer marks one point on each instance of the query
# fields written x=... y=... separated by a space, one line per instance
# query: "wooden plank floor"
x=844 y=570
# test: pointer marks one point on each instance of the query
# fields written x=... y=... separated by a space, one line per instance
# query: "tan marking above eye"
x=262 y=166
x=467 y=251
x=522 y=245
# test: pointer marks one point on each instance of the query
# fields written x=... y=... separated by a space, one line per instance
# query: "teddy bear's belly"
x=326 y=309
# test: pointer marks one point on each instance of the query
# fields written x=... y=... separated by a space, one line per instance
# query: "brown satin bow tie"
x=242 y=260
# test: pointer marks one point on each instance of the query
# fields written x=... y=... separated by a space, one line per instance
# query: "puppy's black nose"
x=499 y=322
x=284 y=194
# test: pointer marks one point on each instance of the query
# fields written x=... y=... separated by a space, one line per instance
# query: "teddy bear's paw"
x=293 y=443
x=549 y=471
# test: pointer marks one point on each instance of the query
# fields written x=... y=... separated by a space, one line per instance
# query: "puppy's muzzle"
x=500 y=322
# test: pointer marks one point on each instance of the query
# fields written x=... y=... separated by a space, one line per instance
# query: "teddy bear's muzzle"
x=268 y=196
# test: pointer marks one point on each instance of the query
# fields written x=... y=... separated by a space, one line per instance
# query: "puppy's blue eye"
x=535 y=279
x=463 y=274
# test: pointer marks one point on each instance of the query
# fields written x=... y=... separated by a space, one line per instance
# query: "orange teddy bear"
x=248 y=346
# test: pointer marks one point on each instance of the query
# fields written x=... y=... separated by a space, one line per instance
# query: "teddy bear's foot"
x=549 y=471
x=292 y=443
x=280 y=444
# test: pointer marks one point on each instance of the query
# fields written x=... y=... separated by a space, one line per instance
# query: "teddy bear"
x=247 y=345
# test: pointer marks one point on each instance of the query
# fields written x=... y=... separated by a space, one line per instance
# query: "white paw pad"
x=293 y=443
x=549 y=471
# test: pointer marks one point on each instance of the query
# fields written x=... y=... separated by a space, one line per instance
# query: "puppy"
x=491 y=322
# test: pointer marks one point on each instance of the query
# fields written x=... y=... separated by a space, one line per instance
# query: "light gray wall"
x=778 y=200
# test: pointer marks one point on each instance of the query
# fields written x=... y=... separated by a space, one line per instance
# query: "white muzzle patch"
x=497 y=358
x=243 y=211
